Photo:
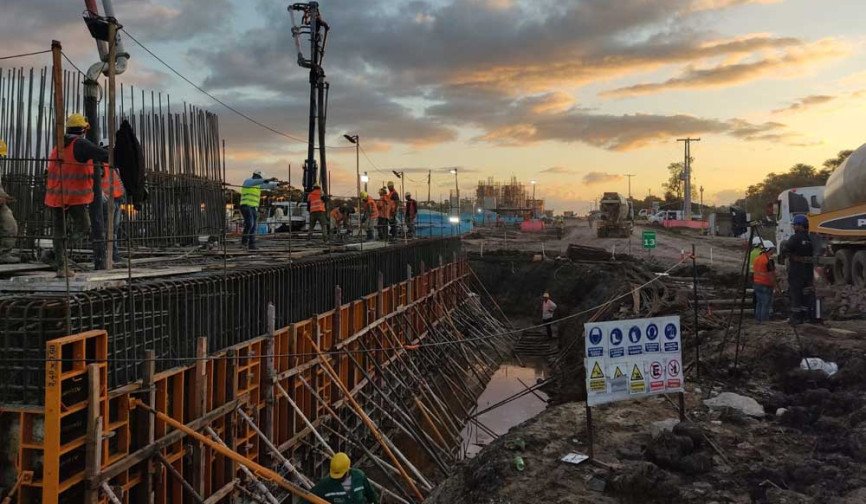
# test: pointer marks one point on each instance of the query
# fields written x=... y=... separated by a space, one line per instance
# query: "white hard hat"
x=768 y=245
x=756 y=241
x=258 y=172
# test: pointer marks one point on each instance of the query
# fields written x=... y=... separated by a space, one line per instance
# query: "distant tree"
x=674 y=184
x=759 y=195
x=831 y=164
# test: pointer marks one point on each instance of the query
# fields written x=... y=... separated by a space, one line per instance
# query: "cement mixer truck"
x=615 y=217
x=837 y=219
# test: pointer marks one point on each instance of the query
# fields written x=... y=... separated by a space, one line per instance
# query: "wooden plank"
x=93 y=448
x=222 y=492
x=145 y=436
x=199 y=396
x=267 y=418
x=172 y=437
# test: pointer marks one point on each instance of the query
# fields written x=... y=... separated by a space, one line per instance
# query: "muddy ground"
x=809 y=446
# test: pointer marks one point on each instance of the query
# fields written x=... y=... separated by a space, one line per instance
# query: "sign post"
x=649 y=241
x=630 y=359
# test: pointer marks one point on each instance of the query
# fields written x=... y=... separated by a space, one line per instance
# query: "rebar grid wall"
x=181 y=153
x=167 y=315
x=410 y=311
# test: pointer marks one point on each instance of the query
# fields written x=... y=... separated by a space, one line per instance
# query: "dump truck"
x=616 y=217
x=837 y=219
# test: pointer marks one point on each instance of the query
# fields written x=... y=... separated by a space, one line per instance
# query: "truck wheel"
x=842 y=266
x=858 y=269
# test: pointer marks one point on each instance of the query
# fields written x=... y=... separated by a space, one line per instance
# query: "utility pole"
x=429 y=172
x=629 y=175
x=702 y=201
x=456 y=190
x=533 y=197
x=687 y=176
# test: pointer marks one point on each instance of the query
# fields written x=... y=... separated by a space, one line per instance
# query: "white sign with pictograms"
x=627 y=359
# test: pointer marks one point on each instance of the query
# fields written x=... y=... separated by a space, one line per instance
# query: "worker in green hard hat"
x=345 y=485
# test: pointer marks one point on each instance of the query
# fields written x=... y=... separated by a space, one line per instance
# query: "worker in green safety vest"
x=251 y=195
x=345 y=485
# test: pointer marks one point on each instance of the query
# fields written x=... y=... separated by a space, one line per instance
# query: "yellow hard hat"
x=363 y=194
x=77 y=121
x=4 y=151
x=340 y=465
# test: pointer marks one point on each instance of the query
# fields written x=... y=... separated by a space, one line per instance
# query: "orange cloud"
x=805 y=102
x=596 y=177
x=790 y=63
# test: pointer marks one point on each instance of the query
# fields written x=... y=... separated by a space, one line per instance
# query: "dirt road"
x=725 y=254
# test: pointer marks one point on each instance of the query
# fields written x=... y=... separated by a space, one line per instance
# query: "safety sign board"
x=626 y=359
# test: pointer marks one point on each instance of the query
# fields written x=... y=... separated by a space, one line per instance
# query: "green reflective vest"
x=332 y=490
x=251 y=196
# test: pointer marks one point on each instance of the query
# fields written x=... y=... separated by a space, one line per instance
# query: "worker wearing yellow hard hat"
x=4 y=150
x=344 y=485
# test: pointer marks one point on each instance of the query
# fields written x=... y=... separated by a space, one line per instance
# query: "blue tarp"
x=430 y=224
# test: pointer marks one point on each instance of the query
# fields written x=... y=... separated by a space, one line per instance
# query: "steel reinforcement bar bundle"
x=389 y=378
x=181 y=152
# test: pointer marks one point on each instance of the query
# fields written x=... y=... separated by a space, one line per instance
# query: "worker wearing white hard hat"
x=764 y=281
x=251 y=195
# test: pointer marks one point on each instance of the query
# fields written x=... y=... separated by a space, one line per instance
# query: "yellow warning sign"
x=618 y=373
x=596 y=371
x=636 y=383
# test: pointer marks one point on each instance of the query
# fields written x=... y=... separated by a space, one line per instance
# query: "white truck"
x=837 y=219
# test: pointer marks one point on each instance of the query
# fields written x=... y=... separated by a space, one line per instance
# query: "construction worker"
x=8 y=224
x=369 y=214
x=112 y=187
x=251 y=196
x=799 y=253
x=318 y=212
x=547 y=309
x=764 y=281
x=69 y=188
x=340 y=218
x=345 y=485
x=410 y=215
x=394 y=197
x=386 y=208
x=754 y=252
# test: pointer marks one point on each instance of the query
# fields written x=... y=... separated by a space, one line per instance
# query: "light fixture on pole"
x=365 y=178
x=356 y=139
x=456 y=191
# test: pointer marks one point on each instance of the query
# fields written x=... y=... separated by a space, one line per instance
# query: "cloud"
x=557 y=170
x=726 y=196
x=788 y=63
x=706 y=5
x=804 y=103
x=596 y=177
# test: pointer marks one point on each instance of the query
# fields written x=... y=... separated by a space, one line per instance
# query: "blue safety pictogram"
x=652 y=332
x=634 y=334
x=615 y=336
x=670 y=331
x=595 y=335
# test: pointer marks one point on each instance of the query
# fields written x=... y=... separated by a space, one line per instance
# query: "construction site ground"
x=809 y=446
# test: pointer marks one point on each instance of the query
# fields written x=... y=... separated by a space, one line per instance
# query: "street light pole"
x=356 y=139
x=456 y=190
x=533 y=197
x=365 y=178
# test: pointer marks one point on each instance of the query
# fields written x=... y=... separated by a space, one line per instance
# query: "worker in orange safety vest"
x=318 y=212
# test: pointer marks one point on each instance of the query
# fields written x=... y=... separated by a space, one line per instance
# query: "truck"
x=616 y=216
x=837 y=219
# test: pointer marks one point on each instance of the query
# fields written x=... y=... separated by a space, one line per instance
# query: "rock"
x=691 y=431
x=596 y=484
x=696 y=463
x=779 y=496
x=781 y=411
x=745 y=405
x=799 y=417
x=660 y=426
x=855 y=497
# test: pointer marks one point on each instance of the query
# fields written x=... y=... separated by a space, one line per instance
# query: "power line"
x=13 y=56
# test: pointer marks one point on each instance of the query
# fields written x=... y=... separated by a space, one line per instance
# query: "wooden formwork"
x=207 y=392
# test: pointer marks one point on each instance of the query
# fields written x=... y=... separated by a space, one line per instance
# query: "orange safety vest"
x=372 y=207
x=70 y=184
x=385 y=207
x=336 y=214
x=314 y=200
x=117 y=191
x=762 y=274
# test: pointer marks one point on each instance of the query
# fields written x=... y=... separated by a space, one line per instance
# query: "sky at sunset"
x=572 y=93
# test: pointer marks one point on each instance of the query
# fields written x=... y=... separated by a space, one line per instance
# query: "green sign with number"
x=649 y=239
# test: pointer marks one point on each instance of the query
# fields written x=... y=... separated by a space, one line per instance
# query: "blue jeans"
x=250 y=215
x=118 y=218
x=764 y=301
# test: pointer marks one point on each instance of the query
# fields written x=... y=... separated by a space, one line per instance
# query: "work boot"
x=65 y=273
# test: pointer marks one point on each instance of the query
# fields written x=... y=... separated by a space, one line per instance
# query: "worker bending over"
x=316 y=204
x=386 y=209
x=410 y=215
x=340 y=219
x=345 y=485
x=69 y=189
x=369 y=214
x=547 y=309
x=251 y=196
